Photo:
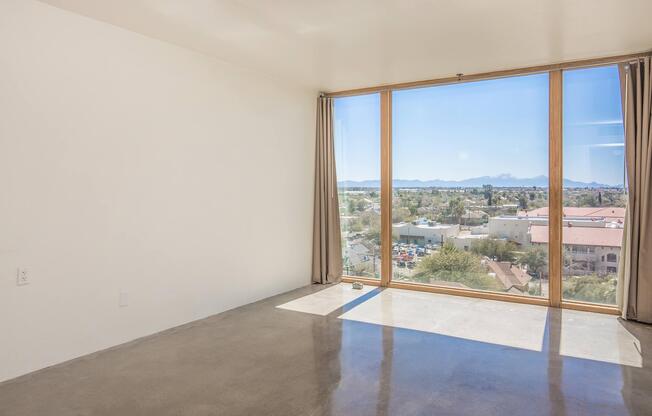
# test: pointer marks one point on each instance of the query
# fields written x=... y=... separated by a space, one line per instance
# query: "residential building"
x=512 y=277
x=588 y=249
x=465 y=239
x=422 y=234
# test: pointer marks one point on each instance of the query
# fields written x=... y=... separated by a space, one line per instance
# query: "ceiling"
x=332 y=45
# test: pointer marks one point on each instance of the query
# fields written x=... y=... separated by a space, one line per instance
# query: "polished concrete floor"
x=331 y=351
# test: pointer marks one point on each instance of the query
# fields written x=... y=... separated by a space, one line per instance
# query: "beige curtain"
x=326 y=240
x=635 y=291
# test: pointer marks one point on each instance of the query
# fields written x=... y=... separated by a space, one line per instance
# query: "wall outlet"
x=123 y=299
x=22 y=277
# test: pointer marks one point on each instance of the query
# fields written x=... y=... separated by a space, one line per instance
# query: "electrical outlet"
x=22 y=277
x=123 y=299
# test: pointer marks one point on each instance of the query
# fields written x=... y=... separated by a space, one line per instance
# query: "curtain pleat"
x=635 y=291
x=327 y=243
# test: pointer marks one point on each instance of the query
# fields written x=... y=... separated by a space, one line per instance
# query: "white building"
x=424 y=233
x=513 y=227
x=465 y=239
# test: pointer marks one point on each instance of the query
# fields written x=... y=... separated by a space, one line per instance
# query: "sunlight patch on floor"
x=327 y=300
x=510 y=324
x=598 y=337
x=583 y=335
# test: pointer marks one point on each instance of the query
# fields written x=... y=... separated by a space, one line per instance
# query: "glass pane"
x=357 y=158
x=594 y=178
x=470 y=165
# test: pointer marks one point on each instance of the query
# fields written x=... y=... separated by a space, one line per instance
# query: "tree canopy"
x=452 y=265
x=535 y=258
x=456 y=209
x=499 y=250
x=591 y=288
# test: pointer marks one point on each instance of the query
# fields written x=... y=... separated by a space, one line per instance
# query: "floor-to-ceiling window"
x=357 y=157
x=504 y=185
x=594 y=184
x=470 y=181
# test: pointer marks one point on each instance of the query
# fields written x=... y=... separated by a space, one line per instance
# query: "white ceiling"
x=340 y=44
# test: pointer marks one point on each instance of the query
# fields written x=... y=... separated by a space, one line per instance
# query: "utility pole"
x=540 y=283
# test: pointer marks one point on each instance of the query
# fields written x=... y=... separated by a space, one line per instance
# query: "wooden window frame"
x=555 y=186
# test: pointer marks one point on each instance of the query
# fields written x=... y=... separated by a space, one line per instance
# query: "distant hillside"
x=500 y=181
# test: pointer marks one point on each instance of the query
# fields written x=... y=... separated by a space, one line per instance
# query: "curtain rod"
x=493 y=74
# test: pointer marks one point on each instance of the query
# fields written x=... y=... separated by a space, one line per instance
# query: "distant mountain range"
x=500 y=181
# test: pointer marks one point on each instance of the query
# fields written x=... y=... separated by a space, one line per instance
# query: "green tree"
x=373 y=235
x=452 y=265
x=587 y=200
x=499 y=250
x=369 y=218
x=400 y=214
x=355 y=226
x=351 y=206
x=522 y=201
x=456 y=209
x=591 y=288
x=536 y=260
x=488 y=192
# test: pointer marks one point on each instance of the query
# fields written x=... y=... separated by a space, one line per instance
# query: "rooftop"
x=467 y=234
x=584 y=236
x=508 y=274
x=607 y=212
x=424 y=226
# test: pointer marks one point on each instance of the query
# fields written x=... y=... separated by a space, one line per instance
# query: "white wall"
x=128 y=164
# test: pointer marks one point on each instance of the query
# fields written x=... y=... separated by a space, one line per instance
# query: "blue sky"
x=486 y=128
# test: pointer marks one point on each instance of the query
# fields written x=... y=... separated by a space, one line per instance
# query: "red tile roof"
x=509 y=275
x=583 y=236
x=608 y=212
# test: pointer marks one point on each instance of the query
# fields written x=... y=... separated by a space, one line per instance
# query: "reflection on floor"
x=502 y=323
x=327 y=300
x=264 y=360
